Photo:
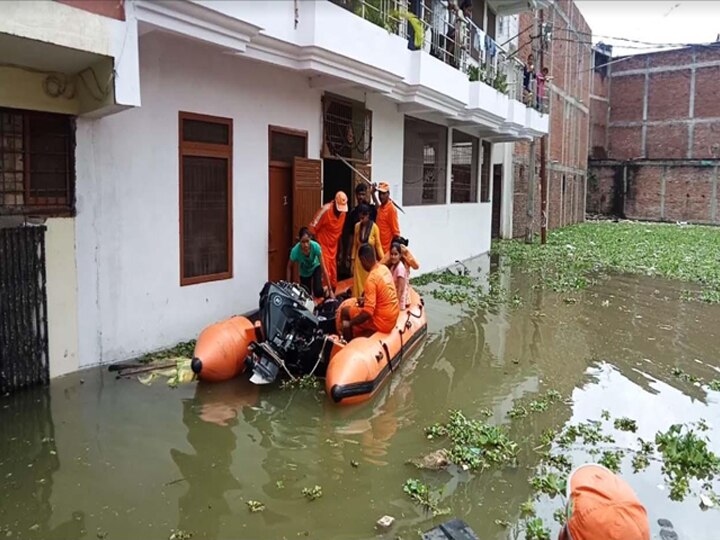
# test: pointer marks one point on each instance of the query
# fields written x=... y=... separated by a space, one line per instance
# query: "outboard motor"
x=293 y=339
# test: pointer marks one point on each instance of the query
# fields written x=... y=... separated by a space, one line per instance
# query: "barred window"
x=465 y=158
x=205 y=198
x=424 y=162
x=37 y=169
x=347 y=129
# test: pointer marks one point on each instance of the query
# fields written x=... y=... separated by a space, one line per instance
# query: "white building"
x=167 y=175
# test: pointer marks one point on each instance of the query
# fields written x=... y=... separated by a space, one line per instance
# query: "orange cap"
x=341 y=202
x=383 y=187
x=602 y=506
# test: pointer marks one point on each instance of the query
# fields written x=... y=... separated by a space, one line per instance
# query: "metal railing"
x=443 y=31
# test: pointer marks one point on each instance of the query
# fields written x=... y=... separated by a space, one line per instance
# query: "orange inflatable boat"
x=293 y=337
x=358 y=369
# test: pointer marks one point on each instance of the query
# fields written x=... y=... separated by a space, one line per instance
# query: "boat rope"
x=320 y=355
x=387 y=354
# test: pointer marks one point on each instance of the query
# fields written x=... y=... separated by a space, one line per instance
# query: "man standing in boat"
x=387 y=217
x=379 y=309
x=327 y=226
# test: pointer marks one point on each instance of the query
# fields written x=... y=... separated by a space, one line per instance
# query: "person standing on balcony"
x=529 y=79
x=458 y=33
x=543 y=78
x=327 y=226
x=387 y=217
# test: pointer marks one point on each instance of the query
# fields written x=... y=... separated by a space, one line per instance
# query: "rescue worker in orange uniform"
x=387 y=217
x=602 y=506
x=379 y=308
x=327 y=226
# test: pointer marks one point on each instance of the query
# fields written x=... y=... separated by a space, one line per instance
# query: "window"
x=285 y=145
x=347 y=129
x=464 y=167
x=37 y=168
x=424 y=163
x=485 y=172
x=205 y=198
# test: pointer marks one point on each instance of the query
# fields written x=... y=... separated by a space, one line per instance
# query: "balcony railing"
x=450 y=36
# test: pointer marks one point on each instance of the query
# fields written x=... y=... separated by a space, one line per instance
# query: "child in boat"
x=307 y=254
x=400 y=273
x=602 y=506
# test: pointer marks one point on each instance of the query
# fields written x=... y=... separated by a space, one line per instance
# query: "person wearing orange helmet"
x=602 y=506
x=327 y=226
x=387 y=217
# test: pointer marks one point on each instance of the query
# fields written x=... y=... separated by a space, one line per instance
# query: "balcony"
x=374 y=45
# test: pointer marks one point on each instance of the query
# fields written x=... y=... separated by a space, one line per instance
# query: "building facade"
x=564 y=37
x=172 y=149
x=655 y=150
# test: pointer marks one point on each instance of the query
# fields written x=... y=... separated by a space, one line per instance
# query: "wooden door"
x=306 y=191
x=280 y=223
x=496 y=200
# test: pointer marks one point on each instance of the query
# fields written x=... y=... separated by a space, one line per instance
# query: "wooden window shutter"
x=307 y=190
x=365 y=170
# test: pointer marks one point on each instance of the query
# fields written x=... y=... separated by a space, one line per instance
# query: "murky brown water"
x=113 y=457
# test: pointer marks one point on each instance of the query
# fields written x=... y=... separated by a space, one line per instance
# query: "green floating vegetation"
x=541 y=404
x=424 y=496
x=612 y=459
x=575 y=255
x=551 y=484
x=686 y=456
x=306 y=382
x=460 y=288
x=535 y=529
x=625 y=424
x=184 y=349
x=474 y=445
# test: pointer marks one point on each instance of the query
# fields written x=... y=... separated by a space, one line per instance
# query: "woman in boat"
x=307 y=253
x=366 y=232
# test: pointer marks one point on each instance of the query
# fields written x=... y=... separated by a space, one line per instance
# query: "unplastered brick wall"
x=569 y=60
x=655 y=190
x=663 y=138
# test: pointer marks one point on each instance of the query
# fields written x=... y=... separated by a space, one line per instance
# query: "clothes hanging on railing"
x=490 y=46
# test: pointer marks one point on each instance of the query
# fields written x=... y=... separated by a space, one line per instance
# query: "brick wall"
x=655 y=190
x=569 y=61
x=663 y=138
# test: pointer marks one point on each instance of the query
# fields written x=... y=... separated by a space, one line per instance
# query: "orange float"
x=221 y=349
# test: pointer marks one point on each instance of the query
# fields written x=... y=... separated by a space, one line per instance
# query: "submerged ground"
x=567 y=356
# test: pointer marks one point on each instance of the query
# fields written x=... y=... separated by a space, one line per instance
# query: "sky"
x=696 y=21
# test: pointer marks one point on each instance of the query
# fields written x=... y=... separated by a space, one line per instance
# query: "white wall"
x=61 y=283
x=130 y=299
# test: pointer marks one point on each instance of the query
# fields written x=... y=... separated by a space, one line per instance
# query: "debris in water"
x=385 y=522
x=255 y=506
x=179 y=534
x=313 y=493
x=354 y=464
x=434 y=461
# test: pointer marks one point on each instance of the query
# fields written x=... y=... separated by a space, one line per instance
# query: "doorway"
x=336 y=177
x=496 y=200
x=284 y=145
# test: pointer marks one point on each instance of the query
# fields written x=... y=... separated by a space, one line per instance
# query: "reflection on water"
x=115 y=457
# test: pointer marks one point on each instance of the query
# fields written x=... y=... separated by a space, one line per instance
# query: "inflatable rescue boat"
x=293 y=337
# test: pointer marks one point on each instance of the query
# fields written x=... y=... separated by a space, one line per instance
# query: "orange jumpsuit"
x=387 y=222
x=381 y=303
x=328 y=228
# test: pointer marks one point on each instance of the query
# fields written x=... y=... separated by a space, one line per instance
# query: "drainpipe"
x=543 y=149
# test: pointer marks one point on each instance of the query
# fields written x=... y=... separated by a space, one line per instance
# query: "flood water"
x=98 y=457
